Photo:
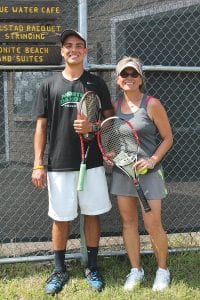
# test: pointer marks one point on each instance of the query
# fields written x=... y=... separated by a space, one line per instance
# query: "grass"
x=25 y=281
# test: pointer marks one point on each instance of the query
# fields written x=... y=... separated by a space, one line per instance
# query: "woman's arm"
x=159 y=116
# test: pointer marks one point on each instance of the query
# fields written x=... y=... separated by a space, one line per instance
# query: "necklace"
x=132 y=106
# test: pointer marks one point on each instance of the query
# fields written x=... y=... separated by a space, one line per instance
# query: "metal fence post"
x=82 y=22
x=82 y=28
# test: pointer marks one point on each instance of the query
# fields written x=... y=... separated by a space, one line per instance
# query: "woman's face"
x=129 y=80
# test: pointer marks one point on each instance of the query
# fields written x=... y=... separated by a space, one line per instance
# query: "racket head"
x=90 y=107
x=118 y=141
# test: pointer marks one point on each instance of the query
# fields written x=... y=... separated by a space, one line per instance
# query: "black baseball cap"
x=68 y=32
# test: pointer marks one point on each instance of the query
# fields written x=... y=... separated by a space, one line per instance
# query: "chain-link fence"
x=165 y=35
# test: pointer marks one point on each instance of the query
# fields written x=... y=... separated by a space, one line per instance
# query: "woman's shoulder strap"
x=148 y=97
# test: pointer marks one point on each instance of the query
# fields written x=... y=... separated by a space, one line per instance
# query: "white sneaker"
x=134 y=278
x=162 y=280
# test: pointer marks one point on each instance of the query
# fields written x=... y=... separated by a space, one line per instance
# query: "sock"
x=59 y=259
x=161 y=269
x=92 y=257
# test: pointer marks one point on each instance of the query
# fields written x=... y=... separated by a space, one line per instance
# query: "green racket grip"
x=81 y=178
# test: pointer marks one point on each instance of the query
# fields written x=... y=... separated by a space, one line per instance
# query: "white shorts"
x=64 y=198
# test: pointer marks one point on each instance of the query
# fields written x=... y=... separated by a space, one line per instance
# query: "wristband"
x=151 y=163
x=38 y=168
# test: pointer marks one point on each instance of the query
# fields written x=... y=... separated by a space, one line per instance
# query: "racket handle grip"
x=143 y=200
x=81 y=178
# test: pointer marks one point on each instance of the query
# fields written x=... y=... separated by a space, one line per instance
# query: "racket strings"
x=118 y=140
x=90 y=107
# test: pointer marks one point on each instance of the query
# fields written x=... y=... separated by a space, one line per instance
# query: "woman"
x=148 y=116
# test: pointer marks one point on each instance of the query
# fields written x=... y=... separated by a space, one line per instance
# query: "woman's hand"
x=108 y=159
x=143 y=164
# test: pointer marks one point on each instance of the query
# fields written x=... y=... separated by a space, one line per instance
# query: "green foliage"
x=25 y=281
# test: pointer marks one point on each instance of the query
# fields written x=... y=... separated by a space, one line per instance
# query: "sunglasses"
x=125 y=74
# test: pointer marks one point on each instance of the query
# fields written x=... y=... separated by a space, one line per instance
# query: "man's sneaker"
x=134 y=278
x=162 y=280
x=94 y=279
x=56 y=282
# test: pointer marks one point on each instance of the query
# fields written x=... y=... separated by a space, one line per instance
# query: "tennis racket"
x=119 y=143
x=89 y=107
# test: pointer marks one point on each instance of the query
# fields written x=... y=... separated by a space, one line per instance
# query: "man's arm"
x=40 y=138
x=108 y=113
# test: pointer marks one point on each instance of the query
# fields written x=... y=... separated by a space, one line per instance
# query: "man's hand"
x=82 y=126
x=39 y=178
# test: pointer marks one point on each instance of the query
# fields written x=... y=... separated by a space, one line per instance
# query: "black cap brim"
x=68 y=32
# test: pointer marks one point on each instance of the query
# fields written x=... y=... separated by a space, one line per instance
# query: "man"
x=55 y=111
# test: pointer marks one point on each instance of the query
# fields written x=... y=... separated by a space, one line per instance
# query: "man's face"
x=73 y=50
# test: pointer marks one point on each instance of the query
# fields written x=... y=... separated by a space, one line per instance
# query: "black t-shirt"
x=57 y=100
